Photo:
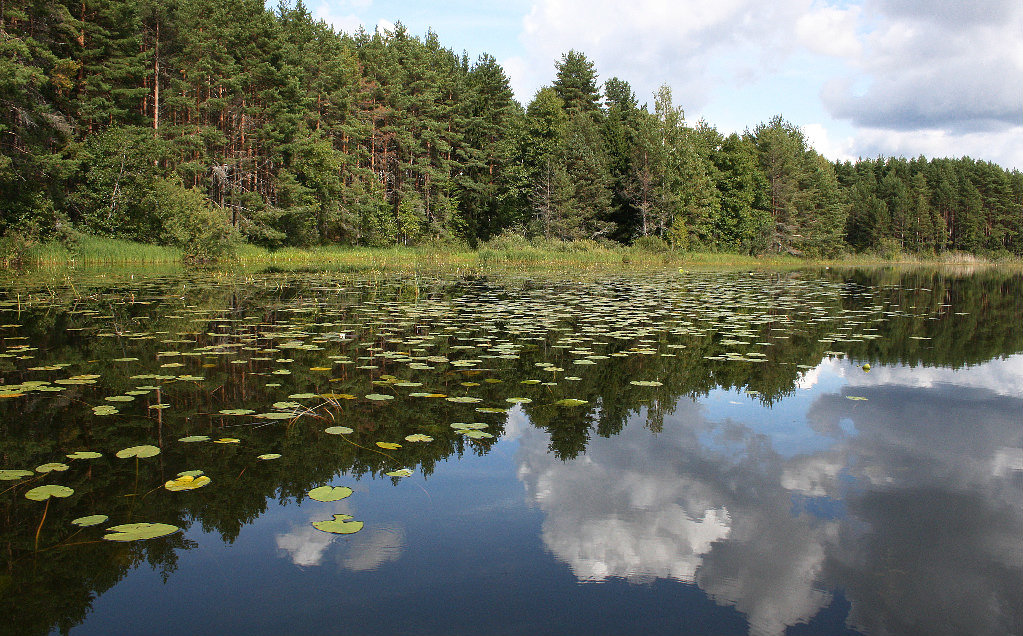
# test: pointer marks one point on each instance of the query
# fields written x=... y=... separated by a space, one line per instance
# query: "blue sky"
x=863 y=78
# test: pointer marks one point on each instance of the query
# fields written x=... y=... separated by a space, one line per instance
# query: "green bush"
x=204 y=233
x=651 y=245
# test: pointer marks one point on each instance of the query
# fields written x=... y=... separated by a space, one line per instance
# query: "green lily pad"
x=52 y=467
x=330 y=493
x=187 y=482
x=338 y=430
x=195 y=438
x=340 y=524
x=12 y=474
x=267 y=456
x=140 y=452
x=856 y=397
x=275 y=416
x=42 y=493
x=227 y=440
x=379 y=397
x=91 y=520
x=84 y=455
x=464 y=400
x=571 y=402
x=286 y=405
x=475 y=434
x=139 y=531
x=302 y=396
x=389 y=445
x=237 y=412
x=518 y=400
x=401 y=472
x=646 y=383
x=104 y=410
x=418 y=437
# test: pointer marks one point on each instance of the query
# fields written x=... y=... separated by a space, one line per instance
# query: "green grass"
x=503 y=253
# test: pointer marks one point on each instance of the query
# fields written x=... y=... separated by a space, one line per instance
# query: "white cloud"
x=830 y=31
x=1003 y=376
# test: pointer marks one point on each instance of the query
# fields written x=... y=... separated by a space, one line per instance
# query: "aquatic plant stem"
x=41 y=521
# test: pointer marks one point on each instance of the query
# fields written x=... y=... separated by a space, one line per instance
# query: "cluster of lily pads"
x=397 y=346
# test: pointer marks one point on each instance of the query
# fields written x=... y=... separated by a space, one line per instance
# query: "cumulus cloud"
x=372 y=547
x=944 y=66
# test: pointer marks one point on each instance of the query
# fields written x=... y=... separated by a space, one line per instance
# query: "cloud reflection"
x=923 y=501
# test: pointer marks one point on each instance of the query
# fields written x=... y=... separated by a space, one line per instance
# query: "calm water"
x=688 y=452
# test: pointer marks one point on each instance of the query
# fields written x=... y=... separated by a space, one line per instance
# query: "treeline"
x=199 y=124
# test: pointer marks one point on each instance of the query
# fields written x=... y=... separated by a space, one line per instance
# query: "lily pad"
x=464 y=400
x=139 y=531
x=401 y=472
x=267 y=456
x=140 y=452
x=52 y=467
x=418 y=437
x=195 y=438
x=104 y=410
x=340 y=524
x=379 y=397
x=388 y=445
x=187 y=482
x=12 y=474
x=338 y=430
x=571 y=402
x=84 y=455
x=227 y=440
x=91 y=520
x=42 y=493
x=237 y=412
x=330 y=493
x=646 y=383
x=518 y=400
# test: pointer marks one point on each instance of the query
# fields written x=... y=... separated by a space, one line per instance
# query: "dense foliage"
x=291 y=133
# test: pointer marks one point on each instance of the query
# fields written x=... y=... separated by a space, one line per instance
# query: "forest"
x=205 y=125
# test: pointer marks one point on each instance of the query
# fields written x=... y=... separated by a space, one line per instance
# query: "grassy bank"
x=496 y=255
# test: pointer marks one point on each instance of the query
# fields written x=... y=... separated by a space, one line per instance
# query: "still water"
x=812 y=452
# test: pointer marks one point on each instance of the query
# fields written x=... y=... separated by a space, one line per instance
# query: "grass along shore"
x=498 y=254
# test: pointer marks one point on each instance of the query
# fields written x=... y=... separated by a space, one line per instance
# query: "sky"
x=863 y=78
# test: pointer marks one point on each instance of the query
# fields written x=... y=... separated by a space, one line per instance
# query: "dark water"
x=699 y=452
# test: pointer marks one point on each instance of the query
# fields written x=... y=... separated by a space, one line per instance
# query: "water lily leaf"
x=401 y=472
x=195 y=438
x=52 y=467
x=12 y=474
x=140 y=452
x=268 y=456
x=340 y=524
x=464 y=400
x=42 y=493
x=302 y=396
x=104 y=410
x=379 y=397
x=338 y=396
x=490 y=409
x=119 y=398
x=388 y=445
x=286 y=405
x=91 y=520
x=237 y=412
x=571 y=402
x=856 y=397
x=418 y=437
x=646 y=383
x=84 y=455
x=275 y=416
x=227 y=440
x=330 y=493
x=187 y=482
x=338 y=430
x=139 y=531
x=518 y=400
x=475 y=434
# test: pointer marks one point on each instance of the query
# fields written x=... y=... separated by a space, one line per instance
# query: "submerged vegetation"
x=220 y=129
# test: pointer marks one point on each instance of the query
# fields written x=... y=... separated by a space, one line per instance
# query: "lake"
x=697 y=452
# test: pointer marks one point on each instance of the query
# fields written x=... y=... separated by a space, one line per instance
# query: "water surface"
x=701 y=452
